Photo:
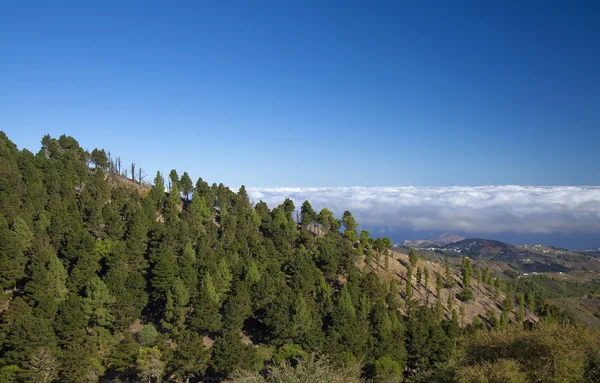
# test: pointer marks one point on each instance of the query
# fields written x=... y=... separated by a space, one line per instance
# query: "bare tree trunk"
x=141 y=175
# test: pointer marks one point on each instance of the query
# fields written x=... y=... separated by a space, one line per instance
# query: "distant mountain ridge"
x=439 y=241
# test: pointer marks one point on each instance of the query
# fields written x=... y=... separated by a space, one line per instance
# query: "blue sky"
x=301 y=93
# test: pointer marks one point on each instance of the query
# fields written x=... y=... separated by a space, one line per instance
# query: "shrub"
x=311 y=369
x=465 y=295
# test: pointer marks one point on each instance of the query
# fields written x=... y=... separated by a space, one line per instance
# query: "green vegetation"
x=107 y=279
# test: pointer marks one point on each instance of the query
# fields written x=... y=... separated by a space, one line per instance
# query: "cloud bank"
x=484 y=209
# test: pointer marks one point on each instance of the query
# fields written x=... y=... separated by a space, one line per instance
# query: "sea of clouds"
x=482 y=209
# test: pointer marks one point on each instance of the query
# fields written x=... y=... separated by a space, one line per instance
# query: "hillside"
x=484 y=299
x=108 y=279
x=520 y=260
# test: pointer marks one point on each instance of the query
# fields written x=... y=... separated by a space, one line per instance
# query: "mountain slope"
x=484 y=299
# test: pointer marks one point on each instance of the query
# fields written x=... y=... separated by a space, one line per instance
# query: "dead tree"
x=141 y=175
x=132 y=171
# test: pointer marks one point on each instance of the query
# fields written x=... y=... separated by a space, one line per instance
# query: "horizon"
x=318 y=95
x=468 y=211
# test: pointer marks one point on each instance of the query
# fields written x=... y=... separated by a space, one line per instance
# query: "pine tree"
x=191 y=357
x=449 y=280
x=46 y=286
x=164 y=273
x=157 y=193
x=520 y=315
x=387 y=259
x=173 y=180
x=409 y=292
x=230 y=354
x=439 y=283
x=344 y=312
x=466 y=270
x=439 y=308
x=382 y=330
x=188 y=269
x=25 y=334
x=150 y=365
x=171 y=210
x=413 y=259
x=123 y=358
x=487 y=278
x=503 y=319
x=307 y=214
x=95 y=303
x=237 y=307
x=479 y=275
x=13 y=245
x=508 y=304
x=393 y=296
x=369 y=259
x=176 y=307
x=205 y=314
x=186 y=185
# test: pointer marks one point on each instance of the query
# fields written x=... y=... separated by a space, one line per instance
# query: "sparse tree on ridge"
x=186 y=185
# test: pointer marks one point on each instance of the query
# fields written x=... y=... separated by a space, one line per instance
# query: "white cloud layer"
x=484 y=209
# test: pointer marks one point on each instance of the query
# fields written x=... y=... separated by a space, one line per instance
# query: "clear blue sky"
x=300 y=93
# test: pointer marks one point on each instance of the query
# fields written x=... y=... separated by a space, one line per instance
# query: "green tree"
x=327 y=220
x=466 y=270
x=42 y=366
x=191 y=357
x=393 y=296
x=508 y=303
x=230 y=354
x=157 y=193
x=148 y=335
x=188 y=269
x=409 y=292
x=413 y=258
x=99 y=158
x=520 y=315
x=487 y=278
x=124 y=357
x=96 y=303
x=186 y=185
x=150 y=365
x=387 y=370
x=503 y=319
x=479 y=275
x=449 y=279
x=164 y=273
x=307 y=214
x=173 y=179
x=14 y=242
x=439 y=308
x=46 y=286
x=237 y=307
x=205 y=315
x=369 y=259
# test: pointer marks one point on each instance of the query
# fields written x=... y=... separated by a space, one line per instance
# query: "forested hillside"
x=106 y=279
